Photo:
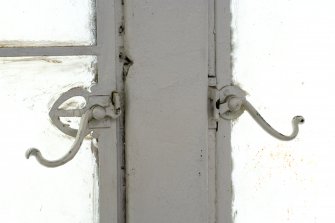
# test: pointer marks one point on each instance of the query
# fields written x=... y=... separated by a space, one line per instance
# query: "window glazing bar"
x=48 y=51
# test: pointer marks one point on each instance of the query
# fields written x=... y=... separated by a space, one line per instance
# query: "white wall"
x=30 y=192
x=284 y=59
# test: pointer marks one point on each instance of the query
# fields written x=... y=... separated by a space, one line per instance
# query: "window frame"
x=108 y=48
x=109 y=42
x=220 y=70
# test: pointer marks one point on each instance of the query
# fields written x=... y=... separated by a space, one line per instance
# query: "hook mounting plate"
x=105 y=101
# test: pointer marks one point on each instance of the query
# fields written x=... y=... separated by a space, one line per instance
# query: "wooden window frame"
x=107 y=49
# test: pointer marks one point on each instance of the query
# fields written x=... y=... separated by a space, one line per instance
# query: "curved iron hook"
x=82 y=132
x=268 y=128
x=233 y=103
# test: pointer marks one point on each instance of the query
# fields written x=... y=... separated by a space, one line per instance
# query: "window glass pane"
x=47 y=23
x=284 y=58
x=30 y=192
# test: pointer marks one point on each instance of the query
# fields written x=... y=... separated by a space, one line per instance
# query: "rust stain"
x=283 y=162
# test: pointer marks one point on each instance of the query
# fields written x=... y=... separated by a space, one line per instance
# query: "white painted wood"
x=110 y=202
x=211 y=38
x=166 y=116
x=212 y=124
x=224 y=192
x=108 y=44
x=223 y=42
x=212 y=175
x=29 y=192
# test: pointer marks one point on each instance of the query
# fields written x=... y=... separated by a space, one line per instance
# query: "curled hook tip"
x=299 y=119
x=31 y=152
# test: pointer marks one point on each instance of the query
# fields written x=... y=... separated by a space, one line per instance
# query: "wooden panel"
x=166 y=116
x=110 y=195
x=224 y=165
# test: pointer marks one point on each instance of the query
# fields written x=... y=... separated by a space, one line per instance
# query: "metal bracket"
x=230 y=102
x=98 y=112
x=105 y=101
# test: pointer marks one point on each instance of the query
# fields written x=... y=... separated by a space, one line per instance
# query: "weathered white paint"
x=30 y=192
x=71 y=23
x=284 y=58
x=109 y=147
x=166 y=116
x=224 y=192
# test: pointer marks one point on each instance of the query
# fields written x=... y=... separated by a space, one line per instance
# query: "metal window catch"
x=97 y=113
x=230 y=103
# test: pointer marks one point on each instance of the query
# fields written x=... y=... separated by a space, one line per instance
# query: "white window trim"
x=111 y=146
